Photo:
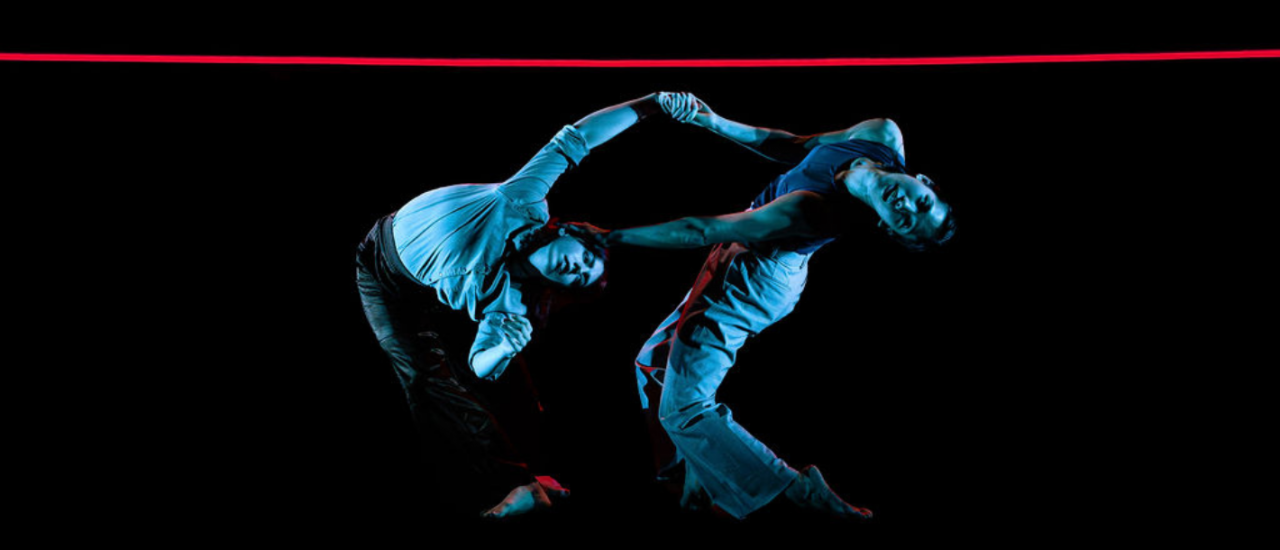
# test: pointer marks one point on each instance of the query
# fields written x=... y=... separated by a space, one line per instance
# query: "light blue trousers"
x=738 y=293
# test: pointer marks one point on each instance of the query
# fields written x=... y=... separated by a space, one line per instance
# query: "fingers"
x=518 y=331
x=511 y=335
x=686 y=108
x=666 y=100
x=524 y=326
x=678 y=106
x=681 y=106
x=691 y=107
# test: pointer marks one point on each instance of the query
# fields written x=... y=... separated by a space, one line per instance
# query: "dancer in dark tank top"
x=752 y=279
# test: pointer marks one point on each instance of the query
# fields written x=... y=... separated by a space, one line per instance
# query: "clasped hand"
x=684 y=107
x=517 y=331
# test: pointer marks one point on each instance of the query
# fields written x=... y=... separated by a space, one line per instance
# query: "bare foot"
x=810 y=492
x=521 y=500
x=551 y=486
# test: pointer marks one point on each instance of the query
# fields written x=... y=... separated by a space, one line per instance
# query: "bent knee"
x=410 y=355
x=682 y=418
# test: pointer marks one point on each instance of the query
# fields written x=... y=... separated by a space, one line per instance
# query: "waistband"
x=391 y=257
x=789 y=258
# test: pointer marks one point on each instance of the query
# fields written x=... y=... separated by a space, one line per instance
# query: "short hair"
x=945 y=231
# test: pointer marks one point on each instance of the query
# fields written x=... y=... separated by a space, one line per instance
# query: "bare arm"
x=489 y=364
x=571 y=144
x=797 y=214
x=603 y=125
x=880 y=130
x=499 y=339
x=783 y=146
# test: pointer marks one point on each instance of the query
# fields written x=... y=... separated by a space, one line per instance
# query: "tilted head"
x=568 y=263
x=564 y=261
x=910 y=208
x=913 y=212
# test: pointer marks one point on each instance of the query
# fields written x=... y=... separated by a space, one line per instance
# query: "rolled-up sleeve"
x=535 y=179
x=497 y=301
x=488 y=335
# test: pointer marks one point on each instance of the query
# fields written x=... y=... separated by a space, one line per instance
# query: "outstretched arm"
x=781 y=145
x=603 y=125
x=796 y=214
x=572 y=143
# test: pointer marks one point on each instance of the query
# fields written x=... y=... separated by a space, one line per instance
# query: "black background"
x=192 y=228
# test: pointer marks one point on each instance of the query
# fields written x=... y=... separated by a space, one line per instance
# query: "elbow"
x=881 y=123
x=891 y=128
x=699 y=232
x=887 y=128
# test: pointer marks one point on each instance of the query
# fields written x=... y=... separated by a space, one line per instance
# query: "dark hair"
x=547 y=298
x=945 y=231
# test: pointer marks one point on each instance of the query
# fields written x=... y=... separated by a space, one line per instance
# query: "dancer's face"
x=566 y=262
x=907 y=206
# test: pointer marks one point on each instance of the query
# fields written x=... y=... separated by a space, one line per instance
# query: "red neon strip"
x=642 y=63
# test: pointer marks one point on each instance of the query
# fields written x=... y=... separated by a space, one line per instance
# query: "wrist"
x=646 y=106
x=722 y=127
x=711 y=122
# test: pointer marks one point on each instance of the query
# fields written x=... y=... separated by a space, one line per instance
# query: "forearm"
x=771 y=143
x=796 y=214
x=691 y=232
x=489 y=364
x=571 y=145
x=784 y=146
x=751 y=136
x=603 y=125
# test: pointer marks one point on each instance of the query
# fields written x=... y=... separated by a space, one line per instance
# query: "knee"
x=678 y=415
x=671 y=423
x=410 y=356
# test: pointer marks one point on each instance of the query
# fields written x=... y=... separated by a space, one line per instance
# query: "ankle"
x=798 y=489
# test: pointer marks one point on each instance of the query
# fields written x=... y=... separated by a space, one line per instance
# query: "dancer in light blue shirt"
x=487 y=251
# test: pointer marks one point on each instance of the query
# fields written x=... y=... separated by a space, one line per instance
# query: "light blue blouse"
x=455 y=239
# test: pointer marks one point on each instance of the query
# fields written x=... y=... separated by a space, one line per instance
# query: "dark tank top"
x=817 y=173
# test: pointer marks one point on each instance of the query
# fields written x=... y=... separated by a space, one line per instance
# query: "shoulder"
x=450 y=197
x=880 y=130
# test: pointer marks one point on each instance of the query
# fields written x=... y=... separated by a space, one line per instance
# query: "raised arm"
x=796 y=214
x=572 y=143
x=781 y=145
x=603 y=125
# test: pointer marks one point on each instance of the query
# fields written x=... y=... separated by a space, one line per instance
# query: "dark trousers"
x=469 y=456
